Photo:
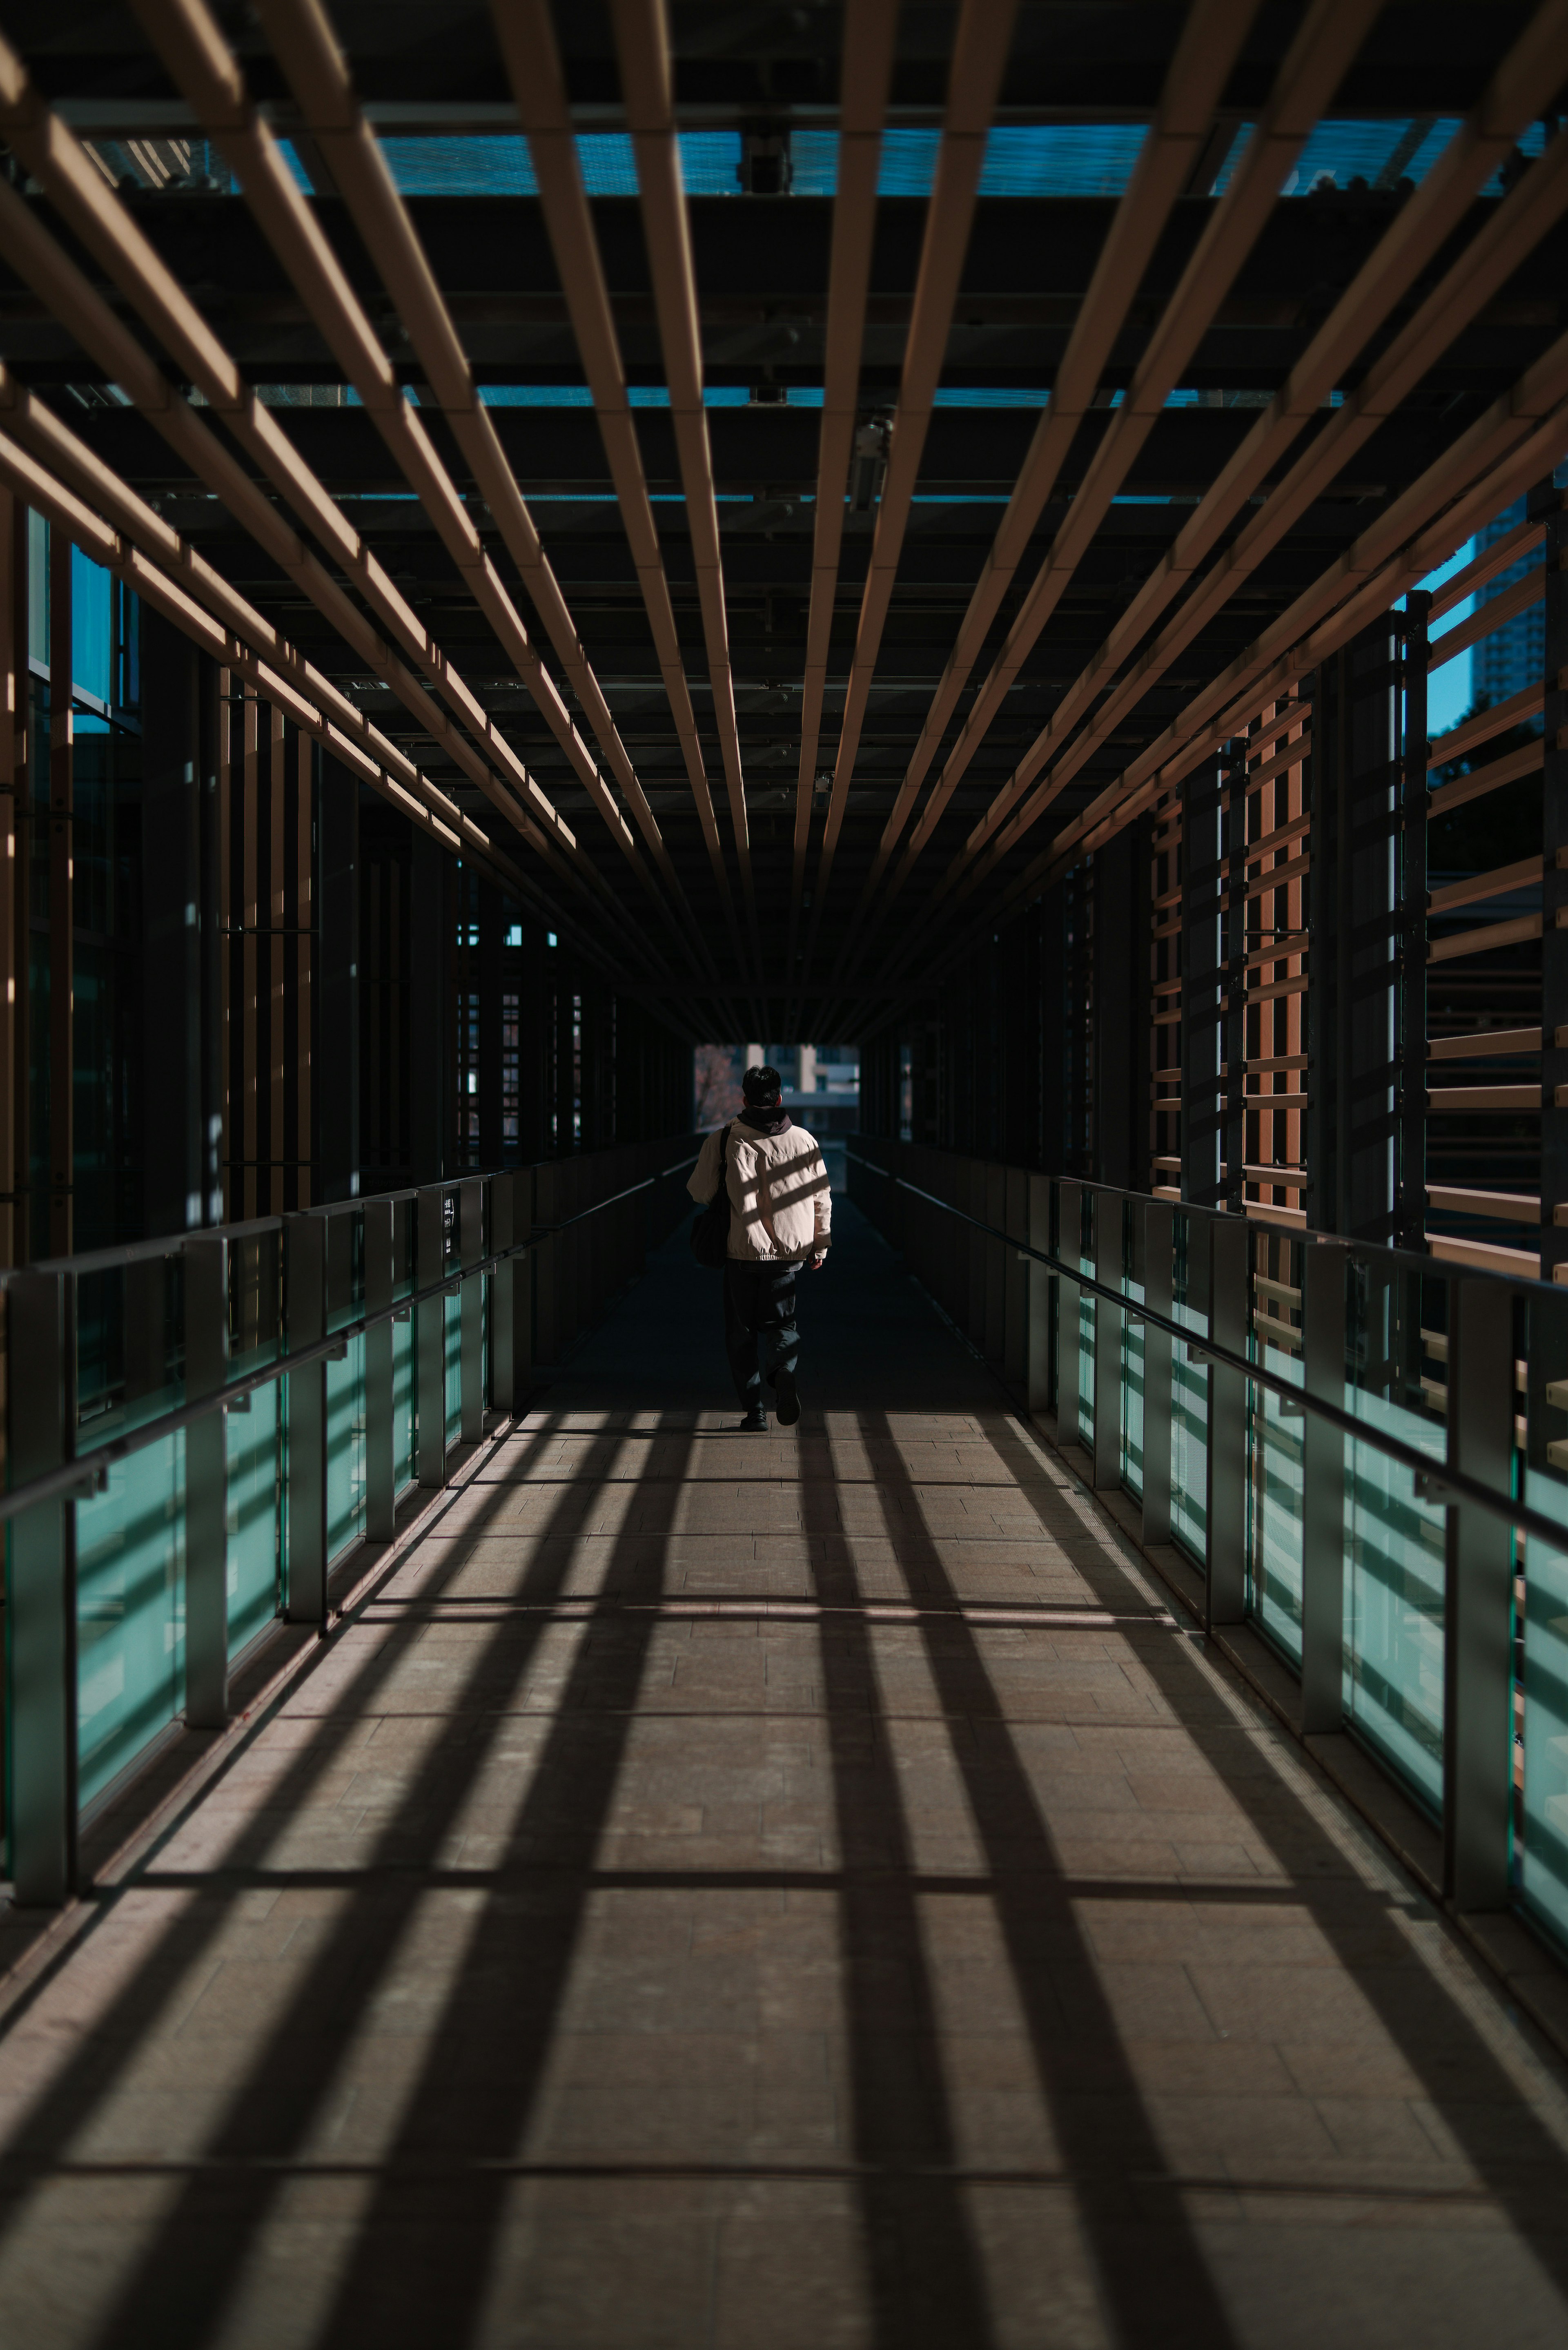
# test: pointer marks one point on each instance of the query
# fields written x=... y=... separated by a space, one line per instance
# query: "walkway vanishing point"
x=723 y=1894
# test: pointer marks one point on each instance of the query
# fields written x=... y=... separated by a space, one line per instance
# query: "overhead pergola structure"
x=783 y=486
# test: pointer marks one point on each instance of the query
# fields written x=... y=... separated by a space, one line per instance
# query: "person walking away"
x=781 y=1214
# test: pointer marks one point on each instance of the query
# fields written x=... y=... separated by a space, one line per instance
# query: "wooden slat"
x=1443 y=1099
x=1461 y=740
x=1279 y=878
x=1492 y=616
x=1484 y=1041
x=1510 y=547
x=1511 y=1207
x=1480 y=941
x=1487 y=1257
x=1525 y=761
x=1495 y=884
x=1272 y=993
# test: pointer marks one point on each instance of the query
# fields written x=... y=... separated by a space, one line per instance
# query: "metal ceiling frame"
x=526 y=39
x=1521 y=436
x=1428 y=219
x=865 y=77
x=1177 y=136
x=192 y=45
x=30 y=480
x=647 y=74
x=1311 y=70
x=304 y=43
x=35 y=255
x=981 y=44
x=97 y=215
x=83 y=474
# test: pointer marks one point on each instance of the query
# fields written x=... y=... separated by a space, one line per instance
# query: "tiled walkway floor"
x=778 y=1895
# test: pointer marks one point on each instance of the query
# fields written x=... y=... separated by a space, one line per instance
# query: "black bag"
x=710 y=1225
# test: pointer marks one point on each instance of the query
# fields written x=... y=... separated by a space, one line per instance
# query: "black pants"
x=759 y=1303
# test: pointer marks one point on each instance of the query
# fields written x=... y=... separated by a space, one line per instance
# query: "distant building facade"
x=821 y=1082
x=1512 y=656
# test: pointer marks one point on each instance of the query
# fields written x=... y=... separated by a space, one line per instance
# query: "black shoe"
x=755 y=1423
x=789 y=1402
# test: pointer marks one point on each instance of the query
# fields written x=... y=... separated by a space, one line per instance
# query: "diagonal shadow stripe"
x=928 y=2283
x=180 y=2290
x=83 y=2086
x=1515 y=2158
x=1156 y=2287
x=425 y=2249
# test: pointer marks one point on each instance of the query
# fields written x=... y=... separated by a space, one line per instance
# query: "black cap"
x=761 y=1087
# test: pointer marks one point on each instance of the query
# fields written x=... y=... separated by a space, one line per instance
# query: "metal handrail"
x=88 y=1471
x=1440 y=1477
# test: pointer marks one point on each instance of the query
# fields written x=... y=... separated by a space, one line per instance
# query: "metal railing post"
x=471 y=1332
x=1229 y=1240
x=381 y=1452
x=1069 y=1234
x=206 y=1256
x=546 y=1263
x=1478 y=1711
x=511 y=1307
x=305 y=1310
x=1014 y=1277
x=1159 y=1241
x=567 y=1250
x=43 y=1644
x=1322 y=1490
x=994 y=1333
x=1107 y=1343
x=430 y=1262
x=1037 y=1300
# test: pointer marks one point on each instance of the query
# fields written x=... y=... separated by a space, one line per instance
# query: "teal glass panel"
x=130 y=1611
x=1395 y=1537
x=402 y=1404
x=1544 y=1823
x=1540 y=1602
x=452 y=1331
x=92 y=627
x=1132 y=1397
x=346 y=1449
x=254 y=1498
x=1275 y=1454
x=1188 y=1394
x=1085 y=1321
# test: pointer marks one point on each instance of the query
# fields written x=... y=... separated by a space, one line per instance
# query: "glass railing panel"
x=1132 y=1397
x=1131 y=1383
x=346 y=1449
x=402 y=1404
x=1085 y=1260
x=1190 y=1390
x=1395 y=1534
x=404 y=1282
x=1275 y=1451
x=453 y=1333
x=130 y=1611
x=252 y=1436
x=255 y=1507
x=1540 y=1600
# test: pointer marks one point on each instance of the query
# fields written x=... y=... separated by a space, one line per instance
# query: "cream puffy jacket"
x=780 y=1205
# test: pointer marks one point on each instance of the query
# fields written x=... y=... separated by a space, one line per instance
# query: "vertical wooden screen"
x=267 y=833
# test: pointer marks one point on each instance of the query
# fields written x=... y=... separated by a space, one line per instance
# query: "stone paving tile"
x=677 y=1911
